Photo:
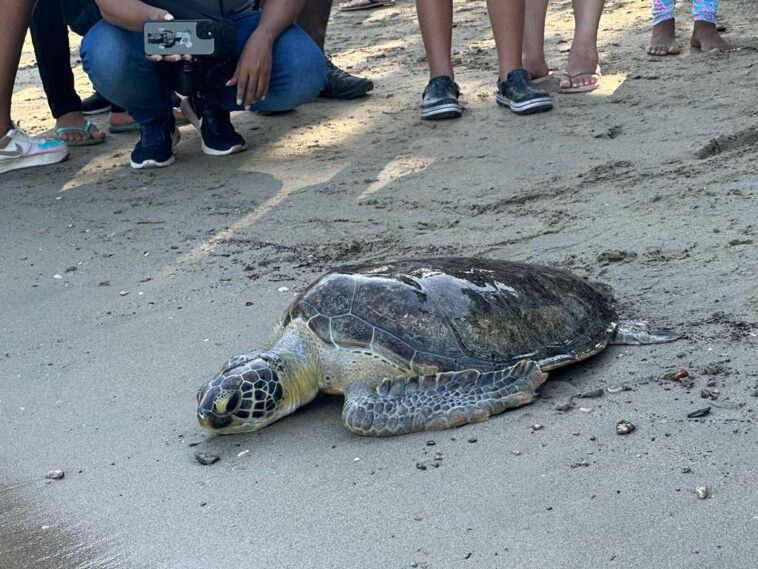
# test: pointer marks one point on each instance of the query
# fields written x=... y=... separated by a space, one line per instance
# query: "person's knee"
x=107 y=55
x=305 y=69
x=311 y=75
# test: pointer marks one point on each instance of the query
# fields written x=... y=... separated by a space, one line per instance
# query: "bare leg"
x=507 y=19
x=313 y=18
x=18 y=149
x=533 y=57
x=13 y=26
x=583 y=57
x=435 y=18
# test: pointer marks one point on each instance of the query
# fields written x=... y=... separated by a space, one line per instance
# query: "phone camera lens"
x=205 y=30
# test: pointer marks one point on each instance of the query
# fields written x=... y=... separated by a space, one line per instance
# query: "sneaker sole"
x=215 y=152
x=526 y=108
x=10 y=164
x=449 y=111
x=96 y=111
x=189 y=113
x=148 y=164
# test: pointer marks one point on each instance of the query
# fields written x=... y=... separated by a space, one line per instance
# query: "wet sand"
x=649 y=184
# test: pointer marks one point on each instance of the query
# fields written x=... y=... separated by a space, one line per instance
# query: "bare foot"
x=536 y=67
x=581 y=71
x=121 y=118
x=663 y=41
x=76 y=120
x=706 y=38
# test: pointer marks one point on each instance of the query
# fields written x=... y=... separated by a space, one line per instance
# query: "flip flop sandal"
x=363 y=5
x=582 y=88
x=134 y=126
x=128 y=127
x=89 y=141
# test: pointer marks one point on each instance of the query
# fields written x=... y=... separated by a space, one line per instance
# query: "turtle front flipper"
x=637 y=332
x=435 y=402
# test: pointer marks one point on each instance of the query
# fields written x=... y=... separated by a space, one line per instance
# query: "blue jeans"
x=114 y=59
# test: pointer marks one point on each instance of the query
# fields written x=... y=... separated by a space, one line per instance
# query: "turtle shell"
x=458 y=313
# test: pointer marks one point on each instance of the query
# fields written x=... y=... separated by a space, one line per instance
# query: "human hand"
x=253 y=71
x=161 y=14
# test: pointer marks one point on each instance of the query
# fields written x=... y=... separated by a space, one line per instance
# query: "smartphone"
x=181 y=37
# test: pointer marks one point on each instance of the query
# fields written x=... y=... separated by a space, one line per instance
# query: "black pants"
x=50 y=39
x=49 y=27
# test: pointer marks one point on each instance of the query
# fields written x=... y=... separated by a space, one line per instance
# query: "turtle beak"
x=212 y=410
x=211 y=422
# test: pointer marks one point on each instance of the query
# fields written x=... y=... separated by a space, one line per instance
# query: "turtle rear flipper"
x=435 y=402
x=636 y=332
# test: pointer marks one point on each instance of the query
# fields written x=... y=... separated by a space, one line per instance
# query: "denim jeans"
x=114 y=59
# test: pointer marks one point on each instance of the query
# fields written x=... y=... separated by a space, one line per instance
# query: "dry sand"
x=648 y=184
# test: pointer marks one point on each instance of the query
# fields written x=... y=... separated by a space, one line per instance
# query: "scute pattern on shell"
x=458 y=313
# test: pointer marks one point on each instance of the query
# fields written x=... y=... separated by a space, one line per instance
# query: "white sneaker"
x=19 y=150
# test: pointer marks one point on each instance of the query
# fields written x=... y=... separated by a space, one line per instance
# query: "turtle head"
x=246 y=395
x=254 y=390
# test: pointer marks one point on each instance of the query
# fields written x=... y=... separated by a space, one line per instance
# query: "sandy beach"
x=122 y=291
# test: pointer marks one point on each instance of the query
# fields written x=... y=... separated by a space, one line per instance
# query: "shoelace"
x=18 y=132
x=152 y=135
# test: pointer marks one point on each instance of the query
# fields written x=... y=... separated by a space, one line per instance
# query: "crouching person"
x=278 y=67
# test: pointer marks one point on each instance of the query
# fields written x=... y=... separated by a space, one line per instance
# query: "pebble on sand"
x=699 y=413
x=55 y=475
x=592 y=394
x=702 y=492
x=680 y=374
x=206 y=459
x=624 y=427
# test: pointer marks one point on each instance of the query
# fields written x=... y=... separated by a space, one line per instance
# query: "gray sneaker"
x=440 y=99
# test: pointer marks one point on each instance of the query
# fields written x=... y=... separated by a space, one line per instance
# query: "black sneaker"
x=95 y=104
x=341 y=85
x=217 y=135
x=440 y=99
x=155 y=147
x=520 y=95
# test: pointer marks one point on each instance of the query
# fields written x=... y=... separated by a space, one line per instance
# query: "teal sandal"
x=89 y=141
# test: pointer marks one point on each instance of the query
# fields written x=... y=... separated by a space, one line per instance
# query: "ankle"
x=584 y=50
x=73 y=116
x=703 y=26
x=6 y=126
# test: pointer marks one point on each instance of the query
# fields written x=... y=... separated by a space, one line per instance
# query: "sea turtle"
x=419 y=345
